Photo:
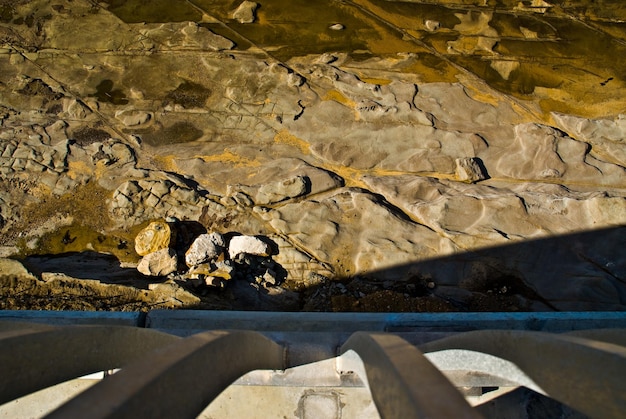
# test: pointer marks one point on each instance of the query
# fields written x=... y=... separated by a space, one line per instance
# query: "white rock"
x=337 y=27
x=432 y=25
x=204 y=248
x=247 y=244
x=160 y=263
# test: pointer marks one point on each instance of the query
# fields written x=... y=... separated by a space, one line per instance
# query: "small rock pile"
x=212 y=259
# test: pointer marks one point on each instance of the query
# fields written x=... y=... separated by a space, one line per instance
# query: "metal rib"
x=179 y=380
x=582 y=373
x=404 y=384
x=40 y=356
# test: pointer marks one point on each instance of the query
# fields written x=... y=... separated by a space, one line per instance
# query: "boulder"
x=160 y=263
x=248 y=245
x=470 y=170
x=204 y=248
x=157 y=236
x=245 y=12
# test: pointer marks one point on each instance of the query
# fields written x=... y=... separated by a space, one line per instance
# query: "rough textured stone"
x=279 y=191
x=10 y=267
x=132 y=117
x=245 y=12
x=358 y=164
x=204 y=248
x=470 y=170
x=247 y=245
x=159 y=263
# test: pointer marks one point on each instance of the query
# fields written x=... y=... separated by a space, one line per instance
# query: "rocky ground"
x=394 y=156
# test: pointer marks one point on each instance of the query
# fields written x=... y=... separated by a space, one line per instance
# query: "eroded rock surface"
x=410 y=155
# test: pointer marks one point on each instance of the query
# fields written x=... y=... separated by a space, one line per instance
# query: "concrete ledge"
x=182 y=320
x=186 y=322
x=62 y=318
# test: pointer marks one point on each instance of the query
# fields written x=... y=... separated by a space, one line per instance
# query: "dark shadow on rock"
x=250 y=296
x=584 y=271
x=186 y=233
x=483 y=168
x=87 y=265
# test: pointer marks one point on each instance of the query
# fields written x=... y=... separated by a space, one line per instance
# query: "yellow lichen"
x=339 y=98
x=229 y=157
x=285 y=137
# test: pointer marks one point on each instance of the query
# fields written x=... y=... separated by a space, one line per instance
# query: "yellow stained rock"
x=158 y=235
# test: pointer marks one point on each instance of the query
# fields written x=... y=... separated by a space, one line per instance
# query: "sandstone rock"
x=130 y=117
x=223 y=269
x=184 y=35
x=76 y=109
x=399 y=130
x=204 y=248
x=245 y=13
x=540 y=152
x=607 y=136
x=247 y=245
x=159 y=263
x=200 y=37
x=10 y=267
x=363 y=244
x=173 y=295
x=470 y=170
x=303 y=269
x=158 y=235
x=279 y=191
x=135 y=201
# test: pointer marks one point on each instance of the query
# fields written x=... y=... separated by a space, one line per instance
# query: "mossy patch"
x=189 y=95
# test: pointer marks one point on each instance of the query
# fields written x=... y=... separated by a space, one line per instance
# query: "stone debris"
x=208 y=263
